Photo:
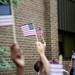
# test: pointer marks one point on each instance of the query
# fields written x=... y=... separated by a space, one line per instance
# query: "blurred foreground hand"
x=17 y=56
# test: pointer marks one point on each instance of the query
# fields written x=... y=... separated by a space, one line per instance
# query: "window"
x=5 y=7
x=6 y=16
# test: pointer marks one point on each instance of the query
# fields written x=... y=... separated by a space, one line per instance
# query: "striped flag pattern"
x=6 y=20
x=28 y=30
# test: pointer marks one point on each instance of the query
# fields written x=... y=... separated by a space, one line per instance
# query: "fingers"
x=40 y=47
x=14 y=47
x=39 y=43
x=15 y=51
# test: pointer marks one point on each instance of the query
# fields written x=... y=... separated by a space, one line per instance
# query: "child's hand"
x=16 y=56
x=40 y=47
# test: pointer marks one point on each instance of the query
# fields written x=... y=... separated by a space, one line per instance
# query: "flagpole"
x=35 y=34
x=13 y=27
x=42 y=37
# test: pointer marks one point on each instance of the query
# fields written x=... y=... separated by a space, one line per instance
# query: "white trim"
x=6 y=20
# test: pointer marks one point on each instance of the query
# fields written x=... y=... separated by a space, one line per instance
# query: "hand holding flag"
x=40 y=47
x=30 y=30
x=39 y=33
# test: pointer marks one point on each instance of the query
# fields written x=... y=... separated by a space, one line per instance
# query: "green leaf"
x=15 y=2
x=4 y=2
x=4 y=64
x=3 y=50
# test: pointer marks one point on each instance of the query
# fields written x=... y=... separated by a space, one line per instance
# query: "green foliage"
x=4 y=64
x=7 y=2
x=15 y=2
x=3 y=50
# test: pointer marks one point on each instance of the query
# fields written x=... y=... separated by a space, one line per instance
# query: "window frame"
x=10 y=17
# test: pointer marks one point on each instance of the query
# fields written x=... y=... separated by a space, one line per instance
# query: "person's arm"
x=20 y=71
x=70 y=68
x=45 y=62
x=41 y=50
x=17 y=58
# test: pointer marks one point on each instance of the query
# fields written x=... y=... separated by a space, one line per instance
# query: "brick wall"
x=51 y=28
x=54 y=28
x=31 y=11
x=47 y=28
x=40 y=13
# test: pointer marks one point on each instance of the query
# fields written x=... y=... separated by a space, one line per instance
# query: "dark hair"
x=71 y=71
x=37 y=66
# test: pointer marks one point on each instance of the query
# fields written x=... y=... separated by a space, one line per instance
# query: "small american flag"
x=28 y=30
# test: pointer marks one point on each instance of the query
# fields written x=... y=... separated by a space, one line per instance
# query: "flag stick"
x=42 y=37
x=36 y=33
x=13 y=27
x=36 y=37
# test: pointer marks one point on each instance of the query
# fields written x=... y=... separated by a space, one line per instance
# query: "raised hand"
x=40 y=47
x=41 y=50
x=16 y=56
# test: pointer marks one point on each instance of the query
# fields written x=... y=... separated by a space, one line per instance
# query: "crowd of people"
x=42 y=66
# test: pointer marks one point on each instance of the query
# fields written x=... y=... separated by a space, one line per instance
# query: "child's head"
x=38 y=66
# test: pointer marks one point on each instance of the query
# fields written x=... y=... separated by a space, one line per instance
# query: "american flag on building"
x=6 y=20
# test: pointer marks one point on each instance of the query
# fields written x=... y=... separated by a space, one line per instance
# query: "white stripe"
x=27 y=31
x=6 y=20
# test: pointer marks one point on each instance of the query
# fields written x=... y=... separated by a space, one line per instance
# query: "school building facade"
x=56 y=17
